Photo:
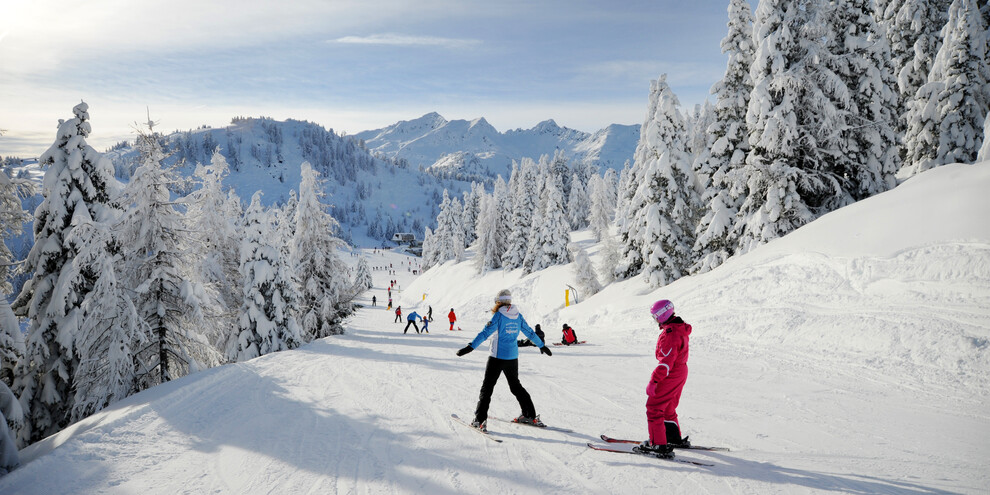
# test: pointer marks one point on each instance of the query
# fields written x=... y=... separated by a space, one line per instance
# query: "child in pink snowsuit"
x=667 y=381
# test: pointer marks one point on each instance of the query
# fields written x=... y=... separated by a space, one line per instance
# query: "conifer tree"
x=524 y=201
x=550 y=234
x=662 y=184
x=266 y=323
x=78 y=187
x=728 y=145
x=609 y=258
x=362 y=276
x=158 y=267
x=793 y=131
x=488 y=255
x=946 y=116
x=602 y=206
x=12 y=220
x=584 y=273
x=324 y=279
x=213 y=214
x=578 y=204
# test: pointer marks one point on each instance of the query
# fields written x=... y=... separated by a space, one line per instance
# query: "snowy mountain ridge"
x=425 y=141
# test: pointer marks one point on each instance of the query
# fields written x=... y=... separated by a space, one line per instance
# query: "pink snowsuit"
x=667 y=381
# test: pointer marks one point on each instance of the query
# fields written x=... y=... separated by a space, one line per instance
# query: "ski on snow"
x=545 y=427
x=621 y=450
x=609 y=439
x=485 y=433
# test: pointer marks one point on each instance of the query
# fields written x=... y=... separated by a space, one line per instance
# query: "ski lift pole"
x=566 y=295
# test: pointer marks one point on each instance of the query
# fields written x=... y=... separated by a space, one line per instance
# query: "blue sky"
x=347 y=65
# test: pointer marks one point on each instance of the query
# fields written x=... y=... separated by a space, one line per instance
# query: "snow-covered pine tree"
x=362 y=276
x=503 y=217
x=112 y=334
x=727 y=145
x=578 y=204
x=213 y=214
x=429 y=253
x=324 y=279
x=792 y=127
x=158 y=266
x=524 y=201
x=472 y=208
x=551 y=234
x=12 y=219
x=559 y=167
x=584 y=273
x=447 y=237
x=912 y=29
x=266 y=323
x=946 y=116
x=600 y=212
x=610 y=257
x=78 y=186
x=667 y=186
x=489 y=238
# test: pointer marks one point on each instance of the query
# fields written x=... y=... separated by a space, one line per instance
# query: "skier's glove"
x=546 y=351
x=465 y=350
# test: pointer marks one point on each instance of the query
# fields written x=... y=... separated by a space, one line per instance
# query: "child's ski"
x=693 y=447
x=485 y=433
x=553 y=428
x=606 y=448
x=576 y=343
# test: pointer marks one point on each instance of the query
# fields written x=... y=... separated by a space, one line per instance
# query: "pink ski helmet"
x=662 y=310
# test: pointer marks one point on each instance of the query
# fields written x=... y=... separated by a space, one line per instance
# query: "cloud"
x=406 y=40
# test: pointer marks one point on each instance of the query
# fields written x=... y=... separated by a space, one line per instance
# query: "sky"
x=347 y=65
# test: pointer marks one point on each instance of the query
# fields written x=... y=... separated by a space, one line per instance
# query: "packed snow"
x=848 y=356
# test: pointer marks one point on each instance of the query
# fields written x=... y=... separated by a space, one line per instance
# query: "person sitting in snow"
x=539 y=333
x=569 y=336
x=667 y=382
x=411 y=320
x=506 y=323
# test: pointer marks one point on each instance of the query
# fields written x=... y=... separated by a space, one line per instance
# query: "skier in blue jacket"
x=506 y=323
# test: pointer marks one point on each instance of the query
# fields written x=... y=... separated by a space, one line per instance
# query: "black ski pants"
x=413 y=323
x=511 y=369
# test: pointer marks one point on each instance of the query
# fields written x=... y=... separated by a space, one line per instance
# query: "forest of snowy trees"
x=130 y=287
x=823 y=103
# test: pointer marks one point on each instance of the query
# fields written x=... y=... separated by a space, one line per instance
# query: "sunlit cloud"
x=406 y=40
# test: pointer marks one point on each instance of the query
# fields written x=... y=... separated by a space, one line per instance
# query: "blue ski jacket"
x=507 y=323
x=412 y=316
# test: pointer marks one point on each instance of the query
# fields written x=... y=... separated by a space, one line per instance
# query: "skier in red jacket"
x=452 y=317
x=667 y=382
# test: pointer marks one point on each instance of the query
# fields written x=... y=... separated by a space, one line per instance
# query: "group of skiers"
x=663 y=390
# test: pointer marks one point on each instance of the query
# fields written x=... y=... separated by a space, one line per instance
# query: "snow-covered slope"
x=851 y=356
x=425 y=142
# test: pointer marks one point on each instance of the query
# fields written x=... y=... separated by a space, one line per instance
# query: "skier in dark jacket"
x=539 y=333
x=506 y=323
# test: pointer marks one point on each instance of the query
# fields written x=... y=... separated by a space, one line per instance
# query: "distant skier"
x=452 y=317
x=667 y=382
x=389 y=302
x=506 y=323
x=569 y=336
x=398 y=314
x=374 y=301
x=426 y=325
x=411 y=320
x=429 y=313
x=539 y=333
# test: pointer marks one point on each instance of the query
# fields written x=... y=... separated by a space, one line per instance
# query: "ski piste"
x=544 y=427
x=609 y=439
x=609 y=448
x=484 y=433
